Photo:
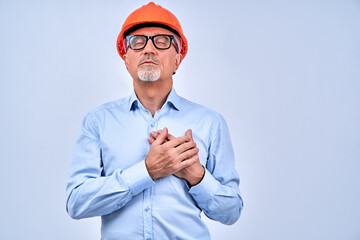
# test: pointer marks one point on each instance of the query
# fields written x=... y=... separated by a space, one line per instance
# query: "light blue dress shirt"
x=108 y=176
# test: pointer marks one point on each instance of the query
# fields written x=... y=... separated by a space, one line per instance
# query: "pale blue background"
x=284 y=74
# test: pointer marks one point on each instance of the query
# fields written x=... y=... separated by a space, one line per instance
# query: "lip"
x=148 y=62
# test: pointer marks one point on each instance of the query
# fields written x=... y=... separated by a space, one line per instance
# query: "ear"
x=126 y=61
x=178 y=59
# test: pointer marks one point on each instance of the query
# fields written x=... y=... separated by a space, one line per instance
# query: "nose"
x=149 y=47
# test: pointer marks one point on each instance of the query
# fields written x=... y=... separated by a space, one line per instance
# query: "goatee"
x=149 y=73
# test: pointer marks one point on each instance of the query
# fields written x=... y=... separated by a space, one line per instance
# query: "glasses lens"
x=137 y=42
x=162 y=41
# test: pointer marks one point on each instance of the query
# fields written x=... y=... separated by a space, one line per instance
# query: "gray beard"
x=149 y=73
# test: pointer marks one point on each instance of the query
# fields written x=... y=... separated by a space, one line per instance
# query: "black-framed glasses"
x=160 y=41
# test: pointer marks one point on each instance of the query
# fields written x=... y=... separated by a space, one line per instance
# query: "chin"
x=149 y=76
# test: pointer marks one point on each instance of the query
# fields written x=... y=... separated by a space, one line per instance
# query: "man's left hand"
x=194 y=173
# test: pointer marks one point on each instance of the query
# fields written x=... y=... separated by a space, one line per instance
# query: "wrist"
x=197 y=178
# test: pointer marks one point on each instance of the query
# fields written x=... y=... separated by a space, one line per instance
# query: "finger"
x=158 y=133
x=185 y=146
x=170 y=137
x=177 y=141
x=188 y=154
x=154 y=134
x=161 y=138
x=189 y=133
x=151 y=140
x=188 y=162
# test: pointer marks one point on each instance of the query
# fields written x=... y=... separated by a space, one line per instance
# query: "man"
x=150 y=163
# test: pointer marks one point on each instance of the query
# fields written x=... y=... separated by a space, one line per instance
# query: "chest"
x=125 y=142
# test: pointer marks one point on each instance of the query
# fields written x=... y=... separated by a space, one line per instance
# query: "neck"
x=152 y=95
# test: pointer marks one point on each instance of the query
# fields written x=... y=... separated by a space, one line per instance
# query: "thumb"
x=161 y=138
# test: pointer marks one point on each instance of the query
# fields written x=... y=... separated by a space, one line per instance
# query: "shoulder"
x=116 y=105
x=208 y=118
x=110 y=108
x=199 y=110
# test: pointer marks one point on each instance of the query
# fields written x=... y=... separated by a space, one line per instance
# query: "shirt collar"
x=133 y=101
x=173 y=99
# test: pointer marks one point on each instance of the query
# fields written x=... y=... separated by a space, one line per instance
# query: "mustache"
x=149 y=57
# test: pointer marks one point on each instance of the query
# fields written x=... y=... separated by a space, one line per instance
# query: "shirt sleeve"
x=218 y=193
x=89 y=193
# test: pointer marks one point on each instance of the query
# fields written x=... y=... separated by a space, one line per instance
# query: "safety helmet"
x=151 y=13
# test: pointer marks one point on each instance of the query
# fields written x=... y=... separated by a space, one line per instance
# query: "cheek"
x=131 y=67
x=131 y=64
x=168 y=64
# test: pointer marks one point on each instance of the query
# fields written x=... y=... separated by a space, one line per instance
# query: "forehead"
x=149 y=31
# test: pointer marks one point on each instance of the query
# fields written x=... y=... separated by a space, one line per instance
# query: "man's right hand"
x=168 y=157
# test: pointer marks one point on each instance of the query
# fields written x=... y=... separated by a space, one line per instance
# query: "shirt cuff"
x=137 y=178
x=206 y=189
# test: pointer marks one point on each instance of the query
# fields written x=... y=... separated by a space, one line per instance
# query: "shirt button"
x=147 y=209
x=148 y=238
x=152 y=125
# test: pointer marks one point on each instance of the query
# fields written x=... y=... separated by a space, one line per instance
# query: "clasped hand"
x=178 y=156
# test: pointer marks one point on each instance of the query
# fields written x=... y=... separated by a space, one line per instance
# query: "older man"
x=150 y=163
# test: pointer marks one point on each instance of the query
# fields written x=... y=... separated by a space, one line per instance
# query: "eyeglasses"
x=160 y=41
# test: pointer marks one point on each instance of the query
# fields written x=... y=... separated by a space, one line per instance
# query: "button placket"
x=147 y=214
x=153 y=125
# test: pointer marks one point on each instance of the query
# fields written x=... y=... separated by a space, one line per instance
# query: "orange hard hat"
x=151 y=13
